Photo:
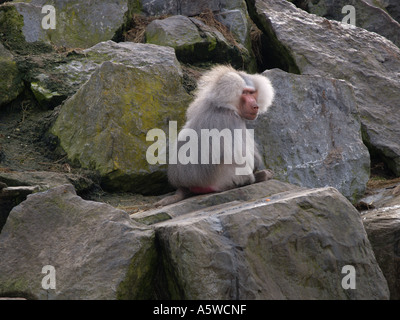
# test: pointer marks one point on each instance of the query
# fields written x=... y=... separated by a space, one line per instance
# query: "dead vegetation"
x=208 y=18
x=256 y=43
x=139 y=24
x=379 y=183
x=381 y=176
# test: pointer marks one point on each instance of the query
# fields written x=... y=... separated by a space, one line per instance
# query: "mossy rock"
x=195 y=42
x=11 y=84
x=72 y=30
x=103 y=127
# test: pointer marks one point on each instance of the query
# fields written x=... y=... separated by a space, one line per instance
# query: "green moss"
x=135 y=6
x=17 y=287
x=140 y=279
x=11 y=35
x=11 y=24
x=11 y=84
x=42 y=94
x=75 y=32
x=113 y=142
x=212 y=43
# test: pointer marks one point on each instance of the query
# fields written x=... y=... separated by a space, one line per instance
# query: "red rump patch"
x=201 y=190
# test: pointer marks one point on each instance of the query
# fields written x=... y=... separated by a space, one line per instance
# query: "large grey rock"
x=383 y=229
x=233 y=14
x=80 y=67
x=79 y=24
x=311 y=134
x=194 y=41
x=290 y=245
x=238 y=23
x=371 y=63
x=117 y=106
x=368 y=16
x=96 y=250
x=54 y=77
x=11 y=84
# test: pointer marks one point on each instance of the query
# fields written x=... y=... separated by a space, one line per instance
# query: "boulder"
x=238 y=23
x=311 y=134
x=11 y=84
x=117 y=106
x=72 y=28
x=194 y=41
x=232 y=14
x=391 y=6
x=368 y=16
x=288 y=245
x=188 y=7
x=316 y=46
x=383 y=229
x=95 y=250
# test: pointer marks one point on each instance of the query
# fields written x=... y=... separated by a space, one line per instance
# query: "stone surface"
x=311 y=134
x=232 y=14
x=11 y=84
x=54 y=77
x=72 y=28
x=188 y=7
x=237 y=195
x=368 y=16
x=238 y=23
x=194 y=41
x=317 y=46
x=383 y=229
x=269 y=240
x=11 y=197
x=96 y=250
x=118 y=105
x=286 y=246
x=391 y=6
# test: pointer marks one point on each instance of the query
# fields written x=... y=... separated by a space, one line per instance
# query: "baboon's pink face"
x=248 y=107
